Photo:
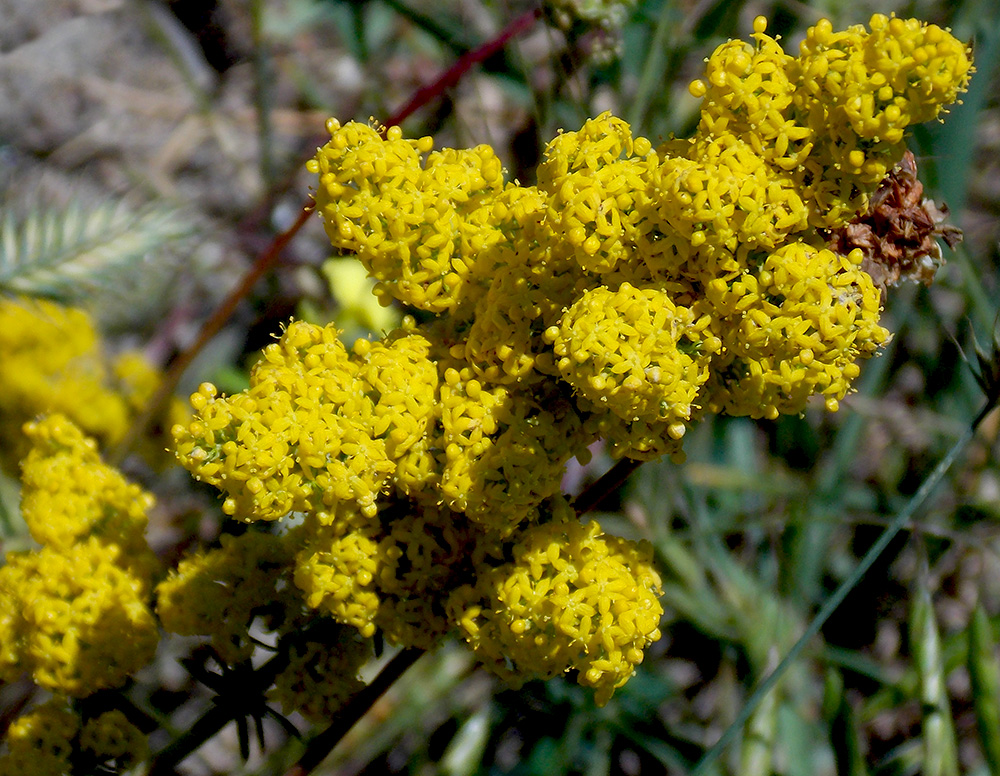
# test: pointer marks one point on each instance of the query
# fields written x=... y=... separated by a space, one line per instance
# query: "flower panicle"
x=633 y=290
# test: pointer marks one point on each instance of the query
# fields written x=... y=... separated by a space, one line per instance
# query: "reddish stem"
x=453 y=74
x=209 y=329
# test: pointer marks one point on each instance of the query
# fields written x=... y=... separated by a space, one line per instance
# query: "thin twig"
x=210 y=328
x=322 y=744
x=453 y=74
x=608 y=483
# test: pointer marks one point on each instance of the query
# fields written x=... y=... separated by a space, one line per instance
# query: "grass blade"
x=984 y=673
x=940 y=747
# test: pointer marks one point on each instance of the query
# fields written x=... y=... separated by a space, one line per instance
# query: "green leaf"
x=984 y=673
x=81 y=250
x=940 y=747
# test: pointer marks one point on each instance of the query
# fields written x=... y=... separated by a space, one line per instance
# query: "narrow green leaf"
x=939 y=743
x=845 y=738
x=757 y=748
x=984 y=673
x=465 y=752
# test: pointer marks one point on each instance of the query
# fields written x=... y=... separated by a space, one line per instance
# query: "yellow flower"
x=218 y=592
x=321 y=675
x=83 y=623
x=571 y=598
x=635 y=352
x=53 y=362
x=69 y=494
x=112 y=741
x=416 y=222
x=792 y=330
x=40 y=742
x=505 y=450
x=303 y=436
x=598 y=185
x=337 y=566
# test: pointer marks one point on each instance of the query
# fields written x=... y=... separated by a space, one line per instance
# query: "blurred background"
x=191 y=120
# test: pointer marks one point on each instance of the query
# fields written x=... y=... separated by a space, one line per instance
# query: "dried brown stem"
x=608 y=483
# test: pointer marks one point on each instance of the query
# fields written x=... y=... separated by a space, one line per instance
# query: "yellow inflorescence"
x=321 y=676
x=300 y=438
x=795 y=329
x=83 y=622
x=635 y=352
x=415 y=218
x=630 y=292
x=571 y=598
x=42 y=743
x=76 y=612
x=69 y=495
x=112 y=741
x=52 y=362
x=337 y=567
x=218 y=592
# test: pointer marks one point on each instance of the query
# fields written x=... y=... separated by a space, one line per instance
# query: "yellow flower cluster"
x=75 y=612
x=219 y=592
x=337 y=565
x=245 y=587
x=794 y=330
x=786 y=146
x=413 y=222
x=51 y=739
x=571 y=598
x=322 y=675
x=316 y=426
x=394 y=573
x=41 y=741
x=859 y=92
x=829 y=123
x=51 y=361
x=320 y=426
x=628 y=293
x=69 y=495
x=635 y=352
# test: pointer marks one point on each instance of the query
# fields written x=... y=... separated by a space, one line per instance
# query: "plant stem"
x=322 y=744
x=608 y=483
x=453 y=74
x=209 y=329
x=213 y=720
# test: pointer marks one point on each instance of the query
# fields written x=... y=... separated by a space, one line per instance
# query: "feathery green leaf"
x=73 y=252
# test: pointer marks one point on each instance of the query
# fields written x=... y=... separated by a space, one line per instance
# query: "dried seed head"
x=899 y=232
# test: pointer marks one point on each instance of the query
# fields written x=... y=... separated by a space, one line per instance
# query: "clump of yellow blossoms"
x=51 y=360
x=52 y=740
x=630 y=292
x=75 y=613
x=571 y=597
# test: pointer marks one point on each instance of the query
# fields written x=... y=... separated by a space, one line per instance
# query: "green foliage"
x=81 y=250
